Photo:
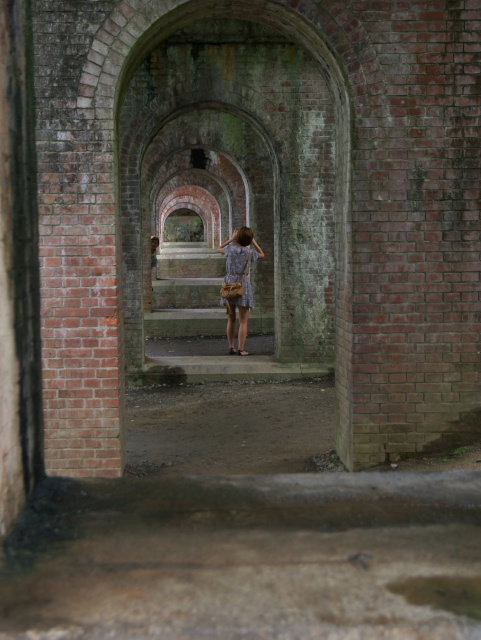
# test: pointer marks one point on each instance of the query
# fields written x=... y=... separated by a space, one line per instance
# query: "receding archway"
x=196 y=197
x=165 y=182
x=106 y=94
x=297 y=193
x=261 y=152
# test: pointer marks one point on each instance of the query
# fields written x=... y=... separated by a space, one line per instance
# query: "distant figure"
x=238 y=252
x=154 y=245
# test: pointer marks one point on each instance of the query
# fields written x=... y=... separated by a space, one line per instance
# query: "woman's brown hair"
x=244 y=236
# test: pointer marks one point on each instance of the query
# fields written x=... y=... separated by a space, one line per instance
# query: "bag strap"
x=246 y=268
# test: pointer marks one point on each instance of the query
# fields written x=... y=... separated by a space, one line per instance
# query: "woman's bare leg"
x=231 y=327
x=243 y=320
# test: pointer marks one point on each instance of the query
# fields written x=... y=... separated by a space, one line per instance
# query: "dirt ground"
x=230 y=428
x=260 y=428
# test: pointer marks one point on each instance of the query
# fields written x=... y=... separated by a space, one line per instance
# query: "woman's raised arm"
x=259 y=250
x=221 y=248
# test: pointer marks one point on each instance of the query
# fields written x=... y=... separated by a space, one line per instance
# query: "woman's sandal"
x=232 y=351
x=243 y=353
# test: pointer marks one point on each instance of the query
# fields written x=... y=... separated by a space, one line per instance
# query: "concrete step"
x=182 y=245
x=188 y=252
x=193 y=265
x=196 y=369
x=172 y=323
x=186 y=292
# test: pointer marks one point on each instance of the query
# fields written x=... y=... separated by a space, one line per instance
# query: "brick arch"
x=106 y=72
x=203 y=200
x=215 y=186
x=184 y=129
x=279 y=148
x=330 y=33
x=255 y=109
x=167 y=143
x=141 y=148
x=229 y=178
x=336 y=26
x=191 y=203
x=95 y=119
x=230 y=171
x=81 y=285
x=147 y=131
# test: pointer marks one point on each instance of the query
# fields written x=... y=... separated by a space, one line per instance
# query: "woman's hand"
x=259 y=250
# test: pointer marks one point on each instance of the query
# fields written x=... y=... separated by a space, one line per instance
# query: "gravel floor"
x=328 y=462
x=229 y=428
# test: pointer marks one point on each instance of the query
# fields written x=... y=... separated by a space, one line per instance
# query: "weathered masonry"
x=21 y=441
x=345 y=132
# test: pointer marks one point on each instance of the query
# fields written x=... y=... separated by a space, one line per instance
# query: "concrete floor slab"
x=196 y=369
x=351 y=557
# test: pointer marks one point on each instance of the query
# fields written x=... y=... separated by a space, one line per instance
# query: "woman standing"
x=238 y=252
x=154 y=245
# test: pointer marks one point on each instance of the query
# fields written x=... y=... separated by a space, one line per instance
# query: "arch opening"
x=287 y=154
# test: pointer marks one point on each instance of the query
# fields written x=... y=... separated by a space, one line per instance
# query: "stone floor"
x=288 y=557
x=262 y=345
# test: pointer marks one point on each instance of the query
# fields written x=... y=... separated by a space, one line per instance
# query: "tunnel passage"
x=222 y=178
x=236 y=125
x=197 y=199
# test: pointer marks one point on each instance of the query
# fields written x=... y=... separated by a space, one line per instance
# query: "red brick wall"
x=416 y=231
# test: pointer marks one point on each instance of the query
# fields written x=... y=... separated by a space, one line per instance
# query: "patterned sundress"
x=237 y=258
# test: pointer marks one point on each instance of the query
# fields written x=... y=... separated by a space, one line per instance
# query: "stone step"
x=186 y=292
x=174 y=323
x=203 y=265
x=188 y=252
x=195 y=369
x=182 y=245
